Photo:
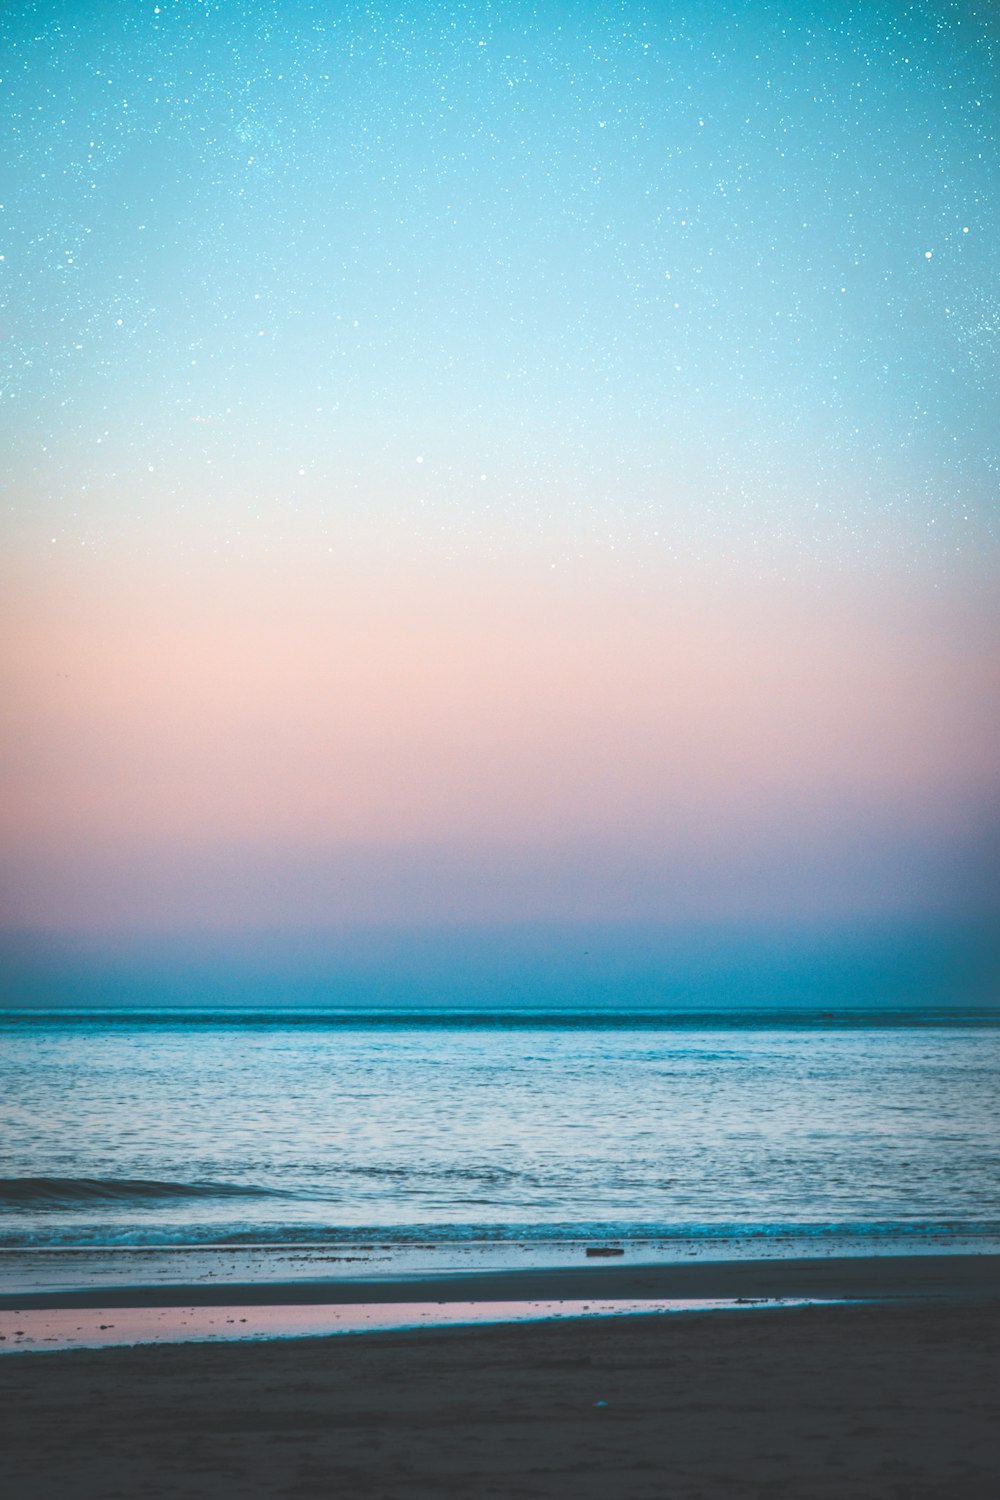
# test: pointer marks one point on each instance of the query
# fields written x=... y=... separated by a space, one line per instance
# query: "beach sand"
x=891 y=1399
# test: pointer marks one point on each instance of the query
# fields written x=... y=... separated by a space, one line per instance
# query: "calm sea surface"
x=161 y=1131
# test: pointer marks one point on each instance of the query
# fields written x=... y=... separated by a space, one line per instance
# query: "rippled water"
x=168 y=1133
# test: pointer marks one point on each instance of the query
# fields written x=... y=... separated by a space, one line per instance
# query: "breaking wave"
x=82 y=1192
x=783 y=1239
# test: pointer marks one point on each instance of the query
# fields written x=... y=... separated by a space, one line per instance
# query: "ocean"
x=181 y=1129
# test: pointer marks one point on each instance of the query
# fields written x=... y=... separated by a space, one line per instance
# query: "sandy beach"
x=895 y=1398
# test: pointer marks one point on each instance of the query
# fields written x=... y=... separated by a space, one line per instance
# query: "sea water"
x=173 y=1129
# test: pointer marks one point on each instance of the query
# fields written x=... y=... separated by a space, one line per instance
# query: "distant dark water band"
x=981 y=1017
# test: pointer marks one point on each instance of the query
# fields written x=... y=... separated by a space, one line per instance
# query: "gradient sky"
x=486 y=467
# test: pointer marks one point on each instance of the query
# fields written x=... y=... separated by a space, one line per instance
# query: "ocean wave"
x=388 y=1237
x=83 y=1192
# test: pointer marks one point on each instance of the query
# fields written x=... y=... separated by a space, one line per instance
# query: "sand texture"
x=876 y=1401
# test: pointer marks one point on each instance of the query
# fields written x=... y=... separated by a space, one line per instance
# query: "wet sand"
x=833 y=1276
x=890 y=1399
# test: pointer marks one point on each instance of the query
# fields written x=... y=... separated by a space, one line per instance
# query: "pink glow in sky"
x=418 y=740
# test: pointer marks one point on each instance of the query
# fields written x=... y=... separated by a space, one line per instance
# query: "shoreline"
x=99 y=1318
x=832 y=1278
x=70 y=1270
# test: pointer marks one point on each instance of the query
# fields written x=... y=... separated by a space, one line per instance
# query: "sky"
x=489 y=487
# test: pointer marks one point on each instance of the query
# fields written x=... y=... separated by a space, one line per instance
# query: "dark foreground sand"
x=894 y=1400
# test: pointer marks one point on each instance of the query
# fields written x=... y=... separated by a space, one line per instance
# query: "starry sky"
x=481 y=475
